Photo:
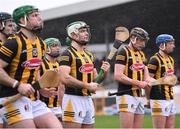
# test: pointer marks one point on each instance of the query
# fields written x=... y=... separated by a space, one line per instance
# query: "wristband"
x=16 y=84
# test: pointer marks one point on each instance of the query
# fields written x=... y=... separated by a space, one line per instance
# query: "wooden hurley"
x=49 y=79
x=121 y=35
x=167 y=80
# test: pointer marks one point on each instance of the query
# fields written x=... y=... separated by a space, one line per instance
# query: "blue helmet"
x=163 y=38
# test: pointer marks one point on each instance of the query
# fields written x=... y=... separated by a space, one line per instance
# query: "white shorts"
x=127 y=103
x=57 y=111
x=162 y=107
x=39 y=108
x=22 y=109
x=17 y=111
x=78 y=109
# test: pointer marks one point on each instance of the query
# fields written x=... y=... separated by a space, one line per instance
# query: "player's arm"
x=4 y=77
x=149 y=73
x=7 y=53
x=68 y=80
x=148 y=76
x=152 y=66
x=120 y=76
x=120 y=69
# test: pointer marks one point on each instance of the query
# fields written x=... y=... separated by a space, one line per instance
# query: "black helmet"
x=5 y=16
x=140 y=33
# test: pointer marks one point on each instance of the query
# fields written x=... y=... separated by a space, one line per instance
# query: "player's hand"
x=25 y=89
x=92 y=87
x=48 y=92
x=141 y=84
x=105 y=66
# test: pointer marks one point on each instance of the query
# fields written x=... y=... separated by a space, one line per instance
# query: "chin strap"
x=163 y=48
x=25 y=24
x=133 y=42
x=35 y=30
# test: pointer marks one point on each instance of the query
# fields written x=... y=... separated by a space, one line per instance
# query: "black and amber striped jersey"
x=24 y=59
x=160 y=67
x=51 y=101
x=134 y=62
x=82 y=68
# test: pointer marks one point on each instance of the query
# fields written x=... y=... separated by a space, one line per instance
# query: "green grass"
x=113 y=121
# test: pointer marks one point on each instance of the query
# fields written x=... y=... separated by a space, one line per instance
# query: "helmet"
x=140 y=33
x=75 y=26
x=51 y=41
x=5 y=16
x=68 y=41
x=163 y=38
x=23 y=11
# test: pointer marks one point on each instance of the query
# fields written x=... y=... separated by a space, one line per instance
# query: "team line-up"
x=41 y=87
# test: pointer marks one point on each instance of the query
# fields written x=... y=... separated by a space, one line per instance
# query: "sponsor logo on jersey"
x=33 y=63
x=137 y=67
x=86 y=68
x=168 y=72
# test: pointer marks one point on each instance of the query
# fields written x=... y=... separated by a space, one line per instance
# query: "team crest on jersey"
x=137 y=67
x=34 y=51
x=33 y=63
x=86 y=68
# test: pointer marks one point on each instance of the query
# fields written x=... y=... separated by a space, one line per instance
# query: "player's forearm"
x=125 y=80
x=71 y=81
x=5 y=79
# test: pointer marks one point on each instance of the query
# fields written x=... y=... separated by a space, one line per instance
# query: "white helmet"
x=75 y=26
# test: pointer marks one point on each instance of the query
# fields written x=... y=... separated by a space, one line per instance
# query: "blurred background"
x=103 y=16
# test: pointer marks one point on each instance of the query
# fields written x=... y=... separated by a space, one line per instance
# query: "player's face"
x=35 y=20
x=83 y=35
x=55 y=50
x=170 y=47
x=139 y=44
x=10 y=27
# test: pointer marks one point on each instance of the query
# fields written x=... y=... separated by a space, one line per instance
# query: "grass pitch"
x=113 y=121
